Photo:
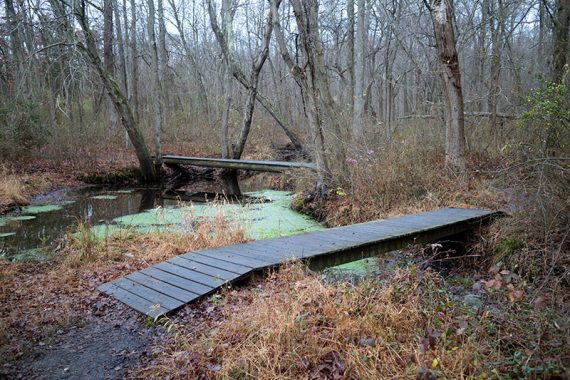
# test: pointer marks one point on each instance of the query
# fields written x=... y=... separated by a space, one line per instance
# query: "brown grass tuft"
x=293 y=326
x=12 y=189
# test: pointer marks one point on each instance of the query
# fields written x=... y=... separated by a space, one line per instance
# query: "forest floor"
x=428 y=318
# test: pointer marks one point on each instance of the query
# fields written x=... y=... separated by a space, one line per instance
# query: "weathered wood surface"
x=226 y=163
x=169 y=285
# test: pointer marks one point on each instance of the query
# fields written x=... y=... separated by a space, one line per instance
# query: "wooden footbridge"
x=169 y=285
x=226 y=163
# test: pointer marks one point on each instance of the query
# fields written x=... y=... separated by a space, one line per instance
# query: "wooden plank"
x=206 y=269
x=266 y=248
x=217 y=263
x=271 y=166
x=162 y=287
x=192 y=275
x=246 y=252
x=224 y=253
x=148 y=293
x=178 y=281
x=140 y=304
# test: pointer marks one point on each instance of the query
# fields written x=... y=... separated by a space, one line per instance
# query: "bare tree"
x=253 y=81
x=311 y=78
x=89 y=48
x=442 y=16
x=157 y=95
x=359 y=61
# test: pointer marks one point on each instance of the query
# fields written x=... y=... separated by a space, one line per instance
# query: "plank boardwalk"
x=265 y=166
x=166 y=286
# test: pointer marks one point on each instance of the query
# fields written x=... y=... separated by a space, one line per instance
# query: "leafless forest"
x=323 y=76
x=400 y=106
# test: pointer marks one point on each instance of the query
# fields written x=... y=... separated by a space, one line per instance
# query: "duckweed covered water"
x=265 y=214
x=260 y=219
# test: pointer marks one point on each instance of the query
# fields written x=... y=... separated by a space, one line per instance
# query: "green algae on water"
x=260 y=220
x=7 y=219
x=20 y=218
x=41 y=209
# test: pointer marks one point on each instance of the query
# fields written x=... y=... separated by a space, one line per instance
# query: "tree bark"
x=157 y=94
x=442 y=16
x=561 y=29
x=359 y=62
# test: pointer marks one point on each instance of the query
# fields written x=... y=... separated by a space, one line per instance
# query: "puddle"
x=373 y=268
x=263 y=214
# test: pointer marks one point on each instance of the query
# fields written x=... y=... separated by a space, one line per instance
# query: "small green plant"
x=549 y=114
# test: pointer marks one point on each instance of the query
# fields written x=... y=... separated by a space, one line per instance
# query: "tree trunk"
x=561 y=29
x=122 y=69
x=311 y=77
x=359 y=61
x=117 y=97
x=134 y=74
x=156 y=95
x=350 y=15
x=441 y=12
x=108 y=57
x=253 y=82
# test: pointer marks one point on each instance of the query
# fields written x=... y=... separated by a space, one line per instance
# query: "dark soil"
x=102 y=347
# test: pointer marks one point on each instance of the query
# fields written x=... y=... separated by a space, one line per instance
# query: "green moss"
x=40 y=209
x=29 y=255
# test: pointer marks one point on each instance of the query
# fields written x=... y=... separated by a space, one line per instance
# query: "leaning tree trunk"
x=441 y=12
x=117 y=97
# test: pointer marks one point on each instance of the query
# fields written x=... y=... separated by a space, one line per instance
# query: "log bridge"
x=169 y=285
x=227 y=163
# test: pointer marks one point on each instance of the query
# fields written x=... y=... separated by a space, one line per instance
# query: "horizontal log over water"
x=226 y=163
x=167 y=286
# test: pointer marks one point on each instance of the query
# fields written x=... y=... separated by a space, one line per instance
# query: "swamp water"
x=263 y=214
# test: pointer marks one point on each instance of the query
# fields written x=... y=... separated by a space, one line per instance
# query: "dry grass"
x=294 y=326
x=387 y=182
x=16 y=188
x=84 y=248
x=12 y=189
x=41 y=298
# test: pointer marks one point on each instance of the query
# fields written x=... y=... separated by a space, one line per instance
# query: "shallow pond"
x=263 y=214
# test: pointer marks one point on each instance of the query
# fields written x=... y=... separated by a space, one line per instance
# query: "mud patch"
x=100 y=348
